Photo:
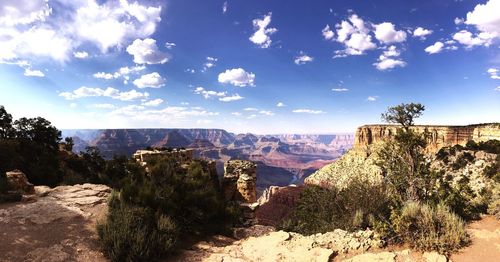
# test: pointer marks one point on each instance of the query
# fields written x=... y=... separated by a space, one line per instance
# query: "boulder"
x=18 y=181
x=434 y=257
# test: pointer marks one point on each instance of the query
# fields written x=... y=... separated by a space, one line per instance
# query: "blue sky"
x=262 y=66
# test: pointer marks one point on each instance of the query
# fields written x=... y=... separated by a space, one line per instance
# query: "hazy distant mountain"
x=281 y=158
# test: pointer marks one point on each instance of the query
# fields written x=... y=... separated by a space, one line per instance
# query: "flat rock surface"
x=54 y=225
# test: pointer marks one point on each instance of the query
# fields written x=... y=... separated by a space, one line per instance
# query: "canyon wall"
x=438 y=136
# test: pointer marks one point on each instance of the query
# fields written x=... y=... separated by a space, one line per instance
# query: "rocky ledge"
x=55 y=224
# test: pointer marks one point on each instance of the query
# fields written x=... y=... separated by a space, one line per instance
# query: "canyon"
x=281 y=159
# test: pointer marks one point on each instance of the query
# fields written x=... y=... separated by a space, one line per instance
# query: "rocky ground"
x=59 y=225
x=53 y=225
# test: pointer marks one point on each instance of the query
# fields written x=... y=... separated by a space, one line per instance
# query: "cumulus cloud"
x=237 y=77
x=327 y=33
x=146 y=52
x=435 y=48
x=167 y=115
x=211 y=62
x=466 y=38
x=122 y=72
x=81 y=54
x=497 y=88
x=103 y=106
x=35 y=73
x=108 y=92
x=225 y=6
x=486 y=17
x=308 y=111
x=421 y=33
x=169 y=45
x=302 y=59
x=372 y=98
x=222 y=96
x=266 y=113
x=458 y=21
x=262 y=35
x=153 y=80
x=386 y=33
x=389 y=60
x=154 y=102
x=250 y=109
x=493 y=72
x=340 y=89
x=236 y=114
x=231 y=98
x=280 y=104
x=354 y=34
x=54 y=29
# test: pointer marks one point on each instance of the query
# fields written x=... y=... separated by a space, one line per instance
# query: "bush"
x=134 y=233
x=320 y=210
x=427 y=228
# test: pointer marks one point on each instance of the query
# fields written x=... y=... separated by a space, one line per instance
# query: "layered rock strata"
x=240 y=181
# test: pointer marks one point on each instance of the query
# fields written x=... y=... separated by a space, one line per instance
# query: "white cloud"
x=211 y=62
x=308 y=111
x=208 y=93
x=435 y=48
x=266 y=113
x=280 y=104
x=236 y=114
x=493 y=73
x=340 y=89
x=386 y=33
x=354 y=34
x=497 y=88
x=388 y=59
x=35 y=73
x=225 y=7
x=14 y=12
x=112 y=24
x=167 y=115
x=237 y=77
x=372 y=98
x=302 y=59
x=122 y=72
x=458 y=21
x=190 y=70
x=421 y=32
x=486 y=17
x=155 y=102
x=54 y=29
x=250 y=109
x=146 y=52
x=223 y=96
x=103 y=106
x=81 y=54
x=153 y=80
x=108 y=92
x=327 y=33
x=170 y=45
x=469 y=40
x=73 y=105
x=231 y=98
x=262 y=35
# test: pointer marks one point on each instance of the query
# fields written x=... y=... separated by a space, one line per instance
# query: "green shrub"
x=428 y=228
x=320 y=210
x=493 y=171
x=133 y=233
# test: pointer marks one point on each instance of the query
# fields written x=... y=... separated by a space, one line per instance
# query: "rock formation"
x=54 y=224
x=17 y=181
x=239 y=181
x=438 y=136
x=275 y=204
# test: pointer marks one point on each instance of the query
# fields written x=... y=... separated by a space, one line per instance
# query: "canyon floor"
x=59 y=225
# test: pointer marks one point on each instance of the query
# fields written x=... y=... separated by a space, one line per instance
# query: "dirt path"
x=485 y=235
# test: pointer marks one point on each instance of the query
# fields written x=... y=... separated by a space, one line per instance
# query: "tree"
x=402 y=161
x=5 y=123
x=403 y=114
x=69 y=143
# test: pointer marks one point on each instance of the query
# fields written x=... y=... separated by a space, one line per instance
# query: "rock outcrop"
x=275 y=204
x=17 y=181
x=438 y=136
x=54 y=224
x=239 y=181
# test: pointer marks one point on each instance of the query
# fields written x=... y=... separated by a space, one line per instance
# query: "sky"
x=260 y=66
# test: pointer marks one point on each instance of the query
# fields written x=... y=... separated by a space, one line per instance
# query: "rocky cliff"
x=438 y=136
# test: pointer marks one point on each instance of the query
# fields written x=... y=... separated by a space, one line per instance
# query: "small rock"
x=434 y=257
x=375 y=257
